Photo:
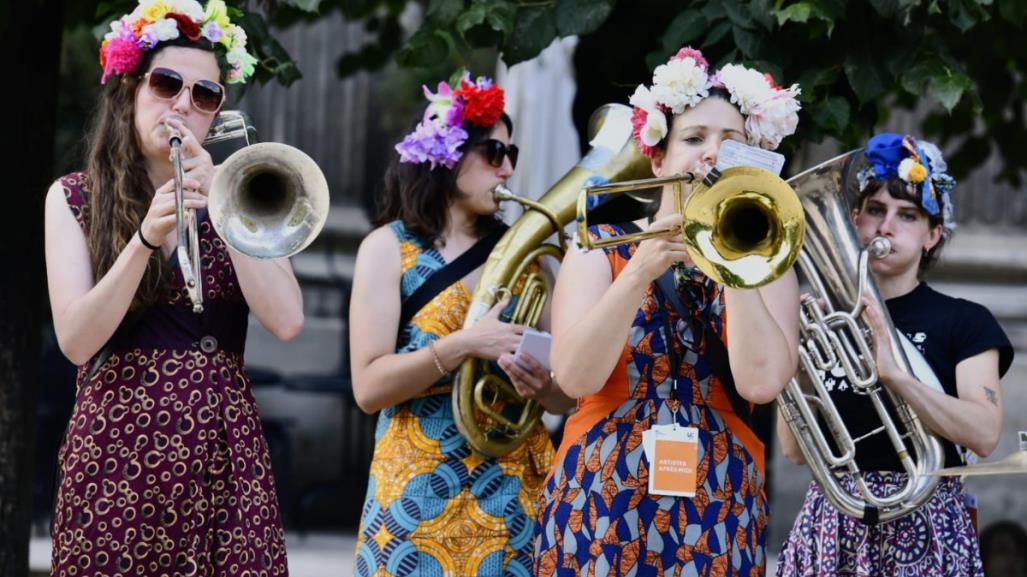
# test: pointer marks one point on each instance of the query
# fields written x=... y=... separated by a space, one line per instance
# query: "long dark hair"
x=420 y=196
x=119 y=189
x=901 y=190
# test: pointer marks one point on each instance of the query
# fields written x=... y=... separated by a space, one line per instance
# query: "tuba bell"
x=834 y=333
x=267 y=200
x=489 y=413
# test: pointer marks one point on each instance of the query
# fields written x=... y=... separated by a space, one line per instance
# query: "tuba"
x=489 y=413
x=267 y=200
x=833 y=333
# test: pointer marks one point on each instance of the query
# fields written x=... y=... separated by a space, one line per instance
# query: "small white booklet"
x=536 y=344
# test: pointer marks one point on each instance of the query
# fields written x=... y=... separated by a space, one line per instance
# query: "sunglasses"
x=497 y=150
x=166 y=84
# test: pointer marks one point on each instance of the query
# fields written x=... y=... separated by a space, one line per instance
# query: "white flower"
x=904 y=167
x=746 y=86
x=679 y=84
x=163 y=29
x=655 y=128
x=190 y=8
x=934 y=156
x=644 y=99
x=773 y=118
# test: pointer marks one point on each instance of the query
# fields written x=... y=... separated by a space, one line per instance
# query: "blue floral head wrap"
x=917 y=163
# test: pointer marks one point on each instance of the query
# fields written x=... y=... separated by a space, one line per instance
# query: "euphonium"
x=743 y=227
x=834 y=332
x=488 y=411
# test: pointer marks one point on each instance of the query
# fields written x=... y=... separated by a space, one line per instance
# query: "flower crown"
x=440 y=134
x=155 y=21
x=770 y=111
x=917 y=163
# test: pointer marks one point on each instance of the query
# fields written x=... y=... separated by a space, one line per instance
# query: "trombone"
x=266 y=200
x=742 y=227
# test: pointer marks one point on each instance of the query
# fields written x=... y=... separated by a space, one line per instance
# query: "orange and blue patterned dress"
x=596 y=516
x=433 y=506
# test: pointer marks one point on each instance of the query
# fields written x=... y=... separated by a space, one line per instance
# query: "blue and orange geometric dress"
x=596 y=516
x=433 y=506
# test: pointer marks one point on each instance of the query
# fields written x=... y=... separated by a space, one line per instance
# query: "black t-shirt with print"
x=946 y=331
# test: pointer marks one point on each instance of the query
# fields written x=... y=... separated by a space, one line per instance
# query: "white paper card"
x=734 y=153
x=536 y=344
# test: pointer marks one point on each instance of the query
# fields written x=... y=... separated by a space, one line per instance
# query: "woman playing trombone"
x=164 y=469
x=650 y=366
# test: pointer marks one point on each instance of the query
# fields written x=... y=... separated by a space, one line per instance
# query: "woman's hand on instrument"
x=887 y=368
x=160 y=218
x=530 y=379
x=490 y=337
x=655 y=255
x=196 y=161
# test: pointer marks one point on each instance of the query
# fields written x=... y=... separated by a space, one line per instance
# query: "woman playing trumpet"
x=164 y=469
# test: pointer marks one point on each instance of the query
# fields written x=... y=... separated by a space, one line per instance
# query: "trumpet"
x=188 y=250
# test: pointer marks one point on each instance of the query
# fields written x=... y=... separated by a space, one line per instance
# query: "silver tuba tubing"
x=833 y=332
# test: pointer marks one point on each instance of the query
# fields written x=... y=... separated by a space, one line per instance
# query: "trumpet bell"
x=268 y=200
x=746 y=230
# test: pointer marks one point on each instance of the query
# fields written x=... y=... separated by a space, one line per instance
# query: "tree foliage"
x=853 y=60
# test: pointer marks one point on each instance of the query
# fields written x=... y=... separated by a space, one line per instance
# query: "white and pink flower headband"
x=771 y=112
x=155 y=21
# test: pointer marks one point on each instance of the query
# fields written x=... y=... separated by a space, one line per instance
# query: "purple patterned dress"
x=164 y=470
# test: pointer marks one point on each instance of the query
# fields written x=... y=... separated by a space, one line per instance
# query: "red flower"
x=770 y=81
x=186 y=26
x=483 y=106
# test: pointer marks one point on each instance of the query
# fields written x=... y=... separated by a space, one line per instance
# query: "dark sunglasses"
x=166 y=84
x=497 y=150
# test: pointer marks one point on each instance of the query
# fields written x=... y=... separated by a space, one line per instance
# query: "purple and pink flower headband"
x=440 y=134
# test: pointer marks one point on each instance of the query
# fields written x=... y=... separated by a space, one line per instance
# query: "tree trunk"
x=31 y=30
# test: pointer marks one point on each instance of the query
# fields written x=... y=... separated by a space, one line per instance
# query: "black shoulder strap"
x=443 y=278
x=715 y=352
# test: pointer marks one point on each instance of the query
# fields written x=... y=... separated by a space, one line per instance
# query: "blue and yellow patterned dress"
x=433 y=506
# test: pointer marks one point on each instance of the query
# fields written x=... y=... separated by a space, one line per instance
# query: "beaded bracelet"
x=435 y=357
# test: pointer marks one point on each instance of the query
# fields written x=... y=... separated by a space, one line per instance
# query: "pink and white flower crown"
x=155 y=21
x=770 y=111
x=440 y=134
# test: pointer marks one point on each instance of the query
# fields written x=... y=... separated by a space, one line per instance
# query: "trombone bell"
x=268 y=200
x=743 y=229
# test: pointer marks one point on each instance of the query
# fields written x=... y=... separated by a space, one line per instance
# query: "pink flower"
x=122 y=57
x=638 y=121
x=689 y=52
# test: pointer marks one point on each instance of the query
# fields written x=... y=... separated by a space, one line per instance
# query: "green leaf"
x=799 y=13
x=914 y=80
x=814 y=77
x=864 y=76
x=965 y=14
x=305 y=5
x=684 y=28
x=444 y=11
x=716 y=34
x=578 y=17
x=747 y=41
x=274 y=59
x=429 y=45
x=738 y=15
x=472 y=17
x=1013 y=11
x=832 y=114
x=534 y=30
x=501 y=16
x=948 y=89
